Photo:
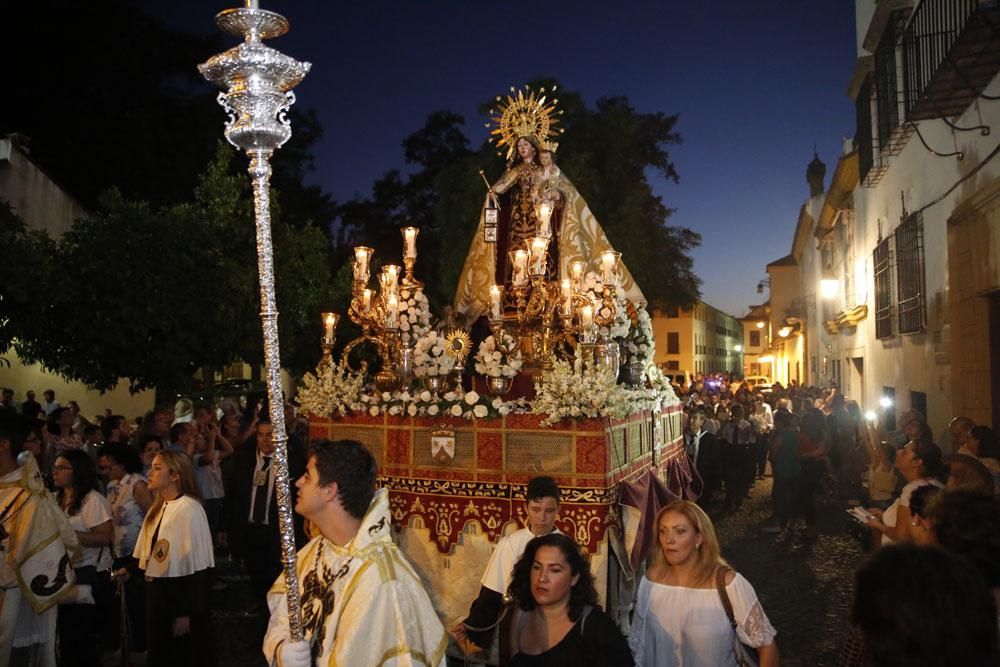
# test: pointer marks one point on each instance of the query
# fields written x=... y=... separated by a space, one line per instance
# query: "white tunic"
x=688 y=627
x=362 y=605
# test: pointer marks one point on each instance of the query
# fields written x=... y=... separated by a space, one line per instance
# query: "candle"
x=538 y=247
x=566 y=288
x=586 y=321
x=410 y=242
x=494 y=302
x=567 y=306
x=329 y=325
x=609 y=266
x=389 y=279
x=361 y=257
x=544 y=216
x=366 y=301
x=576 y=271
x=520 y=267
x=392 y=312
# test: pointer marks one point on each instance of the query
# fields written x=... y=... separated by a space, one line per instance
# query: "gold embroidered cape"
x=362 y=605
x=580 y=238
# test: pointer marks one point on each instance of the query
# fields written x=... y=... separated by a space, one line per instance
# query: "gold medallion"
x=161 y=550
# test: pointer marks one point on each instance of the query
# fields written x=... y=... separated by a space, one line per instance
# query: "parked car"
x=758 y=383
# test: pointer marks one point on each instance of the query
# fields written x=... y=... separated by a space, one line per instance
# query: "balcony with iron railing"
x=951 y=51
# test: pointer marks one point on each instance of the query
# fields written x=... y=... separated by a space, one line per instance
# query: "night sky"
x=756 y=83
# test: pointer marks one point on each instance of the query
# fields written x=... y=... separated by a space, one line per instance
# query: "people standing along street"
x=174 y=550
x=680 y=617
x=250 y=515
x=363 y=604
x=738 y=463
x=75 y=478
x=130 y=499
x=919 y=462
x=30 y=407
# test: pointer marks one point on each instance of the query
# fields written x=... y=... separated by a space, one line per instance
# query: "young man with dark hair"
x=36 y=545
x=541 y=505
x=362 y=602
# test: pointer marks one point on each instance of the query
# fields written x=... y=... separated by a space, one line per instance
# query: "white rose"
x=449 y=396
x=412 y=410
x=504 y=410
x=394 y=410
x=433 y=410
x=497 y=402
x=405 y=396
x=456 y=410
x=373 y=411
x=386 y=396
x=497 y=356
x=437 y=349
x=425 y=396
x=480 y=411
x=472 y=398
x=404 y=325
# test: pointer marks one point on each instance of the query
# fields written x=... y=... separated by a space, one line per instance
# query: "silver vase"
x=404 y=366
x=433 y=383
x=498 y=386
x=608 y=356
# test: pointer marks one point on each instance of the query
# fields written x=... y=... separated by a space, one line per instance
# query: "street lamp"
x=829 y=287
x=785 y=331
x=737 y=348
x=760 y=325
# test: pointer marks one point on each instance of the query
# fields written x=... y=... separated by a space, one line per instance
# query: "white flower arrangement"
x=469 y=405
x=580 y=390
x=640 y=342
x=332 y=391
x=429 y=357
x=414 y=315
x=499 y=359
x=592 y=289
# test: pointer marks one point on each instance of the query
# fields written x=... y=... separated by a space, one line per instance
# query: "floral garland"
x=468 y=405
x=415 y=316
x=332 y=391
x=640 y=342
x=429 y=358
x=592 y=288
x=496 y=359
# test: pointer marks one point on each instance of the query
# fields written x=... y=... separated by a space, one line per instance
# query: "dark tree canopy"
x=609 y=152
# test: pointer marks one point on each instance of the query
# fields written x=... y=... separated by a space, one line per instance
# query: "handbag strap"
x=720 y=584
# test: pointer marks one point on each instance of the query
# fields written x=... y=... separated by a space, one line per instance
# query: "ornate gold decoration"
x=550 y=146
x=458 y=344
x=525 y=113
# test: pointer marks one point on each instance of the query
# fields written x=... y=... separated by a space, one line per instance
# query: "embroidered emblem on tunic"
x=161 y=550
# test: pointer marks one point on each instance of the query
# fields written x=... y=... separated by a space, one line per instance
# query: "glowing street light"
x=885 y=402
x=760 y=325
x=829 y=287
x=737 y=348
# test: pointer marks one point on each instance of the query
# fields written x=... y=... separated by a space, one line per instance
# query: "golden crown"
x=525 y=113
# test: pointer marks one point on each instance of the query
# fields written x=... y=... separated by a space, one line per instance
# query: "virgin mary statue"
x=531 y=183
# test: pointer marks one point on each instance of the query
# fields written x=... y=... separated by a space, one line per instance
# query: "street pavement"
x=805 y=589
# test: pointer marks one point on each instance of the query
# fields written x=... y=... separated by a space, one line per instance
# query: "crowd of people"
x=141 y=508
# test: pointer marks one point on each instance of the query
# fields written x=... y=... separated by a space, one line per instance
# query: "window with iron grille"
x=863 y=134
x=673 y=342
x=911 y=309
x=883 y=289
x=885 y=85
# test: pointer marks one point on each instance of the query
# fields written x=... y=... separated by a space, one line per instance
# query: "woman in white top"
x=679 y=617
x=75 y=479
x=919 y=462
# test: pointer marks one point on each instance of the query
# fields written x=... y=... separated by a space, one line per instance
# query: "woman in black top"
x=556 y=621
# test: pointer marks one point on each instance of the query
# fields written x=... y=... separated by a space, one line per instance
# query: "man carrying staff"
x=362 y=603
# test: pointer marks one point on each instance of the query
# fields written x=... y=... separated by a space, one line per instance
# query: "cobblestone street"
x=805 y=591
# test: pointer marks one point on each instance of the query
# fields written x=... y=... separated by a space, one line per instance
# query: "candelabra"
x=257 y=82
x=378 y=313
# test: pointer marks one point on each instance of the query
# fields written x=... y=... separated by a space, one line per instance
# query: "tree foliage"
x=610 y=152
x=152 y=294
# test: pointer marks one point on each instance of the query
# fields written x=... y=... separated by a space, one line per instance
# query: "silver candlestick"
x=257 y=82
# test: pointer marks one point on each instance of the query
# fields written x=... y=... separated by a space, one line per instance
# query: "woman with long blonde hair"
x=680 y=617
x=175 y=550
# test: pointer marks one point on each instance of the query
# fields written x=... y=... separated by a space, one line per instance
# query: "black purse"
x=746 y=656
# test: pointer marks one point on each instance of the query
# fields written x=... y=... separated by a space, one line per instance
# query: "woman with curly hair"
x=680 y=615
x=556 y=621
